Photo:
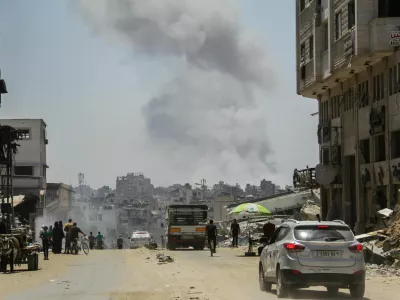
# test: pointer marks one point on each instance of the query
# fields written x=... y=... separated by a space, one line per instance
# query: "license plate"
x=327 y=253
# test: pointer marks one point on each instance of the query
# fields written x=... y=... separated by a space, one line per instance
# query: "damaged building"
x=348 y=60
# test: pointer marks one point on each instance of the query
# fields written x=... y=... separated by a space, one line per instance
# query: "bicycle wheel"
x=85 y=248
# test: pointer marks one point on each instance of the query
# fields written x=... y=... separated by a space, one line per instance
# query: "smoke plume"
x=208 y=114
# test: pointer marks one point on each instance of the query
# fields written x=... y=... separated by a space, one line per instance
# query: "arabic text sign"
x=394 y=39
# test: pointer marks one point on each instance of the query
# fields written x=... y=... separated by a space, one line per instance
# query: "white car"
x=139 y=239
x=302 y=254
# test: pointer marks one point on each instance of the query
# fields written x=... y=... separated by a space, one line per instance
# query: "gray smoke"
x=208 y=113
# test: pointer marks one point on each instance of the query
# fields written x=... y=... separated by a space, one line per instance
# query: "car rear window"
x=321 y=233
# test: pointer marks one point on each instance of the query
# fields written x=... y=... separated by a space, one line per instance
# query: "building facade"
x=134 y=185
x=30 y=163
x=348 y=60
x=58 y=198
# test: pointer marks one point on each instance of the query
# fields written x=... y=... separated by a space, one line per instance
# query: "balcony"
x=343 y=50
x=384 y=36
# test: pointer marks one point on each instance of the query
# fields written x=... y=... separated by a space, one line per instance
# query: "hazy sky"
x=209 y=97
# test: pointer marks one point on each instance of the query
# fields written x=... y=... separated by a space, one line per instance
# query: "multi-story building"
x=59 y=198
x=134 y=185
x=348 y=60
x=29 y=174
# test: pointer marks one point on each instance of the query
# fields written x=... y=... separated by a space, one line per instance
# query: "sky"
x=120 y=94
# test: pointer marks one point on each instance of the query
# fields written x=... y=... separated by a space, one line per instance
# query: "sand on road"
x=137 y=274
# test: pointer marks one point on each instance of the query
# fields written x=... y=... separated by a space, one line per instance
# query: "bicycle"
x=80 y=244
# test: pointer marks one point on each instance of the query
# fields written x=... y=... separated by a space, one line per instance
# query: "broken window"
x=395 y=144
x=302 y=5
x=365 y=152
x=380 y=147
x=23 y=170
x=24 y=134
x=351 y=20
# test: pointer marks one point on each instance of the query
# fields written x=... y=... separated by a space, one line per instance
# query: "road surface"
x=136 y=274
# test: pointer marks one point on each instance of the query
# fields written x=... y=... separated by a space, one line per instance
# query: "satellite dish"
x=325 y=175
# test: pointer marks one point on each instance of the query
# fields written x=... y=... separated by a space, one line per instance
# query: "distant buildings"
x=134 y=185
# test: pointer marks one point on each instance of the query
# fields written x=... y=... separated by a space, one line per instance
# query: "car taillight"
x=292 y=247
x=356 y=248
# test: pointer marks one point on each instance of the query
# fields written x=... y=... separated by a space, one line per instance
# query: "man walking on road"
x=67 y=239
x=211 y=230
x=91 y=241
x=120 y=242
x=235 y=231
x=45 y=235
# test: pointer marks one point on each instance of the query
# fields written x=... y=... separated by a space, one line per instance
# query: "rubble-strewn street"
x=138 y=274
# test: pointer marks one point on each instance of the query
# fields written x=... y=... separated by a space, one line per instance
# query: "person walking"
x=120 y=242
x=46 y=239
x=235 y=231
x=57 y=235
x=67 y=239
x=61 y=226
x=91 y=240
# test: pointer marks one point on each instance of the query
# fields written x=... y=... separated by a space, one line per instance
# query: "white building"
x=30 y=163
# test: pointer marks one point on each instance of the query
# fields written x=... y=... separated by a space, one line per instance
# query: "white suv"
x=301 y=254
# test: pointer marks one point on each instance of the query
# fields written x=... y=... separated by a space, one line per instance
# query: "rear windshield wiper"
x=332 y=239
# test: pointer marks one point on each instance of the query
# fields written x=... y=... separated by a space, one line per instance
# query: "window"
x=322 y=233
x=380 y=147
x=302 y=5
x=303 y=53
x=395 y=151
x=350 y=15
x=282 y=233
x=24 y=134
x=338 y=25
x=23 y=170
x=326 y=36
x=363 y=96
x=303 y=72
x=311 y=45
x=335 y=107
x=378 y=87
x=325 y=156
x=364 y=148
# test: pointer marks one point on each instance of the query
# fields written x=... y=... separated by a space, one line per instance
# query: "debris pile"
x=382 y=271
x=151 y=246
x=163 y=259
x=308 y=212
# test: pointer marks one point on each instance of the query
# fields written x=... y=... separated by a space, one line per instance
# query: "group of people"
x=53 y=236
x=268 y=231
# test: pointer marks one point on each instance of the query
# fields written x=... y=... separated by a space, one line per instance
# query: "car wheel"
x=282 y=289
x=264 y=286
x=332 y=290
x=357 y=290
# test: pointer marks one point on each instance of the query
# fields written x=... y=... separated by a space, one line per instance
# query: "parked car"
x=302 y=254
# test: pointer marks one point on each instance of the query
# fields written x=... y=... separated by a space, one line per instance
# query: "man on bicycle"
x=73 y=233
x=211 y=231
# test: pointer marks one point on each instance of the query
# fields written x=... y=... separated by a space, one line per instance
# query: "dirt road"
x=136 y=274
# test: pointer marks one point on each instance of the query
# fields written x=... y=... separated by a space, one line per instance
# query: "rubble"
x=308 y=212
x=383 y=270
x=163 y=259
